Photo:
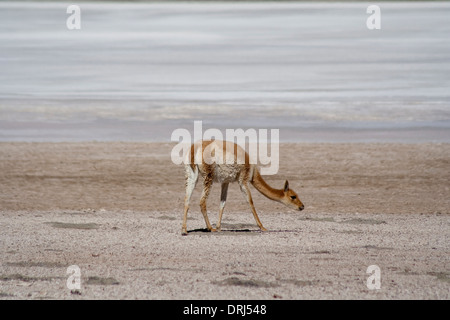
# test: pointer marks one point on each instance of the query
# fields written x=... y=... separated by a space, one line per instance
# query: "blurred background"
x=136 y=71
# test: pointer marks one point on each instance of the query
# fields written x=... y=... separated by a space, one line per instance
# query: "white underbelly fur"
x=222 y=172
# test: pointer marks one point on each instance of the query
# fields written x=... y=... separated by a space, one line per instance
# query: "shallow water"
x=138 y=71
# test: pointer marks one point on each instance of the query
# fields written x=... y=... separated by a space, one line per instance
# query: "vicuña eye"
x=293 y=197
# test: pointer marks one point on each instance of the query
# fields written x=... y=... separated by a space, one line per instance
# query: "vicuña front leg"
x=223 y=199
x=207 y=183
x=248 y=196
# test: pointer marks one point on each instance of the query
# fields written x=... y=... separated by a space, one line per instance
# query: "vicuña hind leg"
x=191 y=181
x=248 y=196
x=207 y=183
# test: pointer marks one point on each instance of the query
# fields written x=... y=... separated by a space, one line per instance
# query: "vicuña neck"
x=262 y=186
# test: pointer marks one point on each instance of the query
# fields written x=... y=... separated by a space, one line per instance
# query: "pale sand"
x=115 y=209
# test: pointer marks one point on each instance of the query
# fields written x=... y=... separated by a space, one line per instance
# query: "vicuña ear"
x=286 y=186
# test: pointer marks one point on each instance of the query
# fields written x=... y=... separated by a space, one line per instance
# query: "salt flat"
x=136 y=71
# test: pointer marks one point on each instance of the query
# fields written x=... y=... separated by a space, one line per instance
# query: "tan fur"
x=234 y=167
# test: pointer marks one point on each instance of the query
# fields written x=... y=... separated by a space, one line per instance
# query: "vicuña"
x=203 y=159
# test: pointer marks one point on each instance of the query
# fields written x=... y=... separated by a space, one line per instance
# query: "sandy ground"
x=114 y=210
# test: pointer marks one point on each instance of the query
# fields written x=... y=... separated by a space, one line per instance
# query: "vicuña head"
x=236 y=167
x=291 y=199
